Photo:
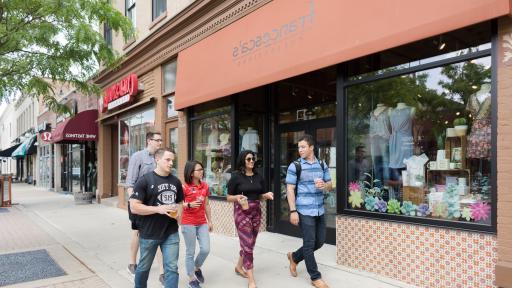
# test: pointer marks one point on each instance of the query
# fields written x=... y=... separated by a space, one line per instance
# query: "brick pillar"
x=504 y=155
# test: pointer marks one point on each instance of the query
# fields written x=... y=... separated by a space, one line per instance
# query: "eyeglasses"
x=199 y=169
x=250 y=159
x=157 y=140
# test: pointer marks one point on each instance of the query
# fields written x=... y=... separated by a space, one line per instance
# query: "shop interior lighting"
x=474 y=87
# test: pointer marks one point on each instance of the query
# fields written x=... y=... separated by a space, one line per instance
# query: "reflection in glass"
x=420 y=144
x=169 y=71
x=326 y=147
x=289 y=153
x=212 y=147
x=132 y=137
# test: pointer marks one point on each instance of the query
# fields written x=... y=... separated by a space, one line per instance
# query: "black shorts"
x=134 y=226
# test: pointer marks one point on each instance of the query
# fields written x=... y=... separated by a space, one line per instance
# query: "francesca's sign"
x=120 y=93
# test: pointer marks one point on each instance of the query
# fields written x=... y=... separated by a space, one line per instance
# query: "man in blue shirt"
x=307 y=207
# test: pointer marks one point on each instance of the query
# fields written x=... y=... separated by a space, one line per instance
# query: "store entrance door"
x=324 y=132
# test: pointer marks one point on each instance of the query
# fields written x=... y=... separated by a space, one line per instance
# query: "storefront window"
x=132 y=137
x=169 y=73
x=173 y=144
x=252 y=111
x=212 y=146
x=171 y=112
x=420 y=144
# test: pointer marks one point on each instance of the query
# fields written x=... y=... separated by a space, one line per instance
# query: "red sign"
x=46 y=136
x=120 y=93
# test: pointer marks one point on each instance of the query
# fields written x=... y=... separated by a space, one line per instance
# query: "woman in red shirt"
x=195 y=221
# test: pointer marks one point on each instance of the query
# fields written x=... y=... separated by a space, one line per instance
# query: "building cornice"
x=199 y=20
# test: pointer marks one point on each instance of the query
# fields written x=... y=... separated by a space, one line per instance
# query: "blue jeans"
x=190 y=234
x=170 y=251
x=313 y=237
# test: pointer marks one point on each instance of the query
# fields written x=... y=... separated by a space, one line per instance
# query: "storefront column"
x=104 y=162
x=504 y=155
x=58 y=167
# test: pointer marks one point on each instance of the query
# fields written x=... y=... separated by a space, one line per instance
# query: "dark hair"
x=240 y=163
x=308 y=138
x=359 y=147
x=160 y=152
x=150 y=135
x=190 y=166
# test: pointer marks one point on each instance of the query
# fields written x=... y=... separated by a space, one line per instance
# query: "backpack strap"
x=298 y=170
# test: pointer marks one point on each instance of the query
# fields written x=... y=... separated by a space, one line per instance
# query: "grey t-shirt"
x=140 y=163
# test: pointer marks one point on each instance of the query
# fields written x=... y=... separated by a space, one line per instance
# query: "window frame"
x=154 y=11
x=129 y=11
x=342 y=162
x=171 y=92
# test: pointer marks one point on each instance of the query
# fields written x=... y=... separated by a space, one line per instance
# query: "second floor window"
x=159 y=8
x=130 y=10
x=107 y=34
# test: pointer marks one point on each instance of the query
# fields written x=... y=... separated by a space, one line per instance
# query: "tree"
x=55 y=41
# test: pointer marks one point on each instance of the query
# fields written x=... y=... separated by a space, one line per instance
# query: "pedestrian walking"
x=196 y=221
x=155 y=198
x=141 y=162
x=306 y=181
x=246 y=189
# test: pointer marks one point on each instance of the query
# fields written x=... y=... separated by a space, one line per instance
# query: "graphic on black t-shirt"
x=155 y=190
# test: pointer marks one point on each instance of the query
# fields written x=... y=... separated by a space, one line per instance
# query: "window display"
x=132 y=137
x=419 y=144
x=212 y=147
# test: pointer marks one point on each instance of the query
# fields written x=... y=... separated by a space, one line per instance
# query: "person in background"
x=196 y=221
x=156 y=199
x=307 y=207
x=141 y=162
x=246 y=189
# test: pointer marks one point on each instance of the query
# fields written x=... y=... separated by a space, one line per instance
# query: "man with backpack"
x=157 y=198
x=307 y=179
x=141 y=162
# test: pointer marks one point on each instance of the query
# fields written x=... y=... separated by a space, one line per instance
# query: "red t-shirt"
x=195 y=216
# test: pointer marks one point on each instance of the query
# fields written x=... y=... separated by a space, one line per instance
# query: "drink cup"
x=173 y=213
x=318 y=182
x=244 y=203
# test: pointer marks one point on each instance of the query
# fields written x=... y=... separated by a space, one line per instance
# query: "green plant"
x=459 y=121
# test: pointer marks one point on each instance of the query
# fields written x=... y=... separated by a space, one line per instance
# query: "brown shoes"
x=319 y=283
x=293 y=265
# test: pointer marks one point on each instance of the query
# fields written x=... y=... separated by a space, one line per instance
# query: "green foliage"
x=459 y=121
x=55 y=41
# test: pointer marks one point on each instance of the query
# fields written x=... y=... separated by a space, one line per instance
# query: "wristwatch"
x=188 y=205
x=293 y=211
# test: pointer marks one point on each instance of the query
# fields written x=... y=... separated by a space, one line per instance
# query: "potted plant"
x=460 y=125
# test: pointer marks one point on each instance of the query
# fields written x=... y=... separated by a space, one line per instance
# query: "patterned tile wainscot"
x=223 y=221
x=419 y=255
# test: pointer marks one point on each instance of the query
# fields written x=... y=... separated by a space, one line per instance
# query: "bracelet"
x=293 y=211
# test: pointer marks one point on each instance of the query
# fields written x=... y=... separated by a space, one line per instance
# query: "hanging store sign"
x=46 y=136
x=120 y=93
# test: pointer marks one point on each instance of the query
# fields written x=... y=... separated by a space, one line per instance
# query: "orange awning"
x=286 y=38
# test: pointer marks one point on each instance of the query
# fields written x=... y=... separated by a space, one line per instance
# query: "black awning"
x=8 y=152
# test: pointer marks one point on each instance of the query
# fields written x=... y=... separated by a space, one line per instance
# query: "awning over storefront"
x=291 y=37
x=81 y=127
x=26 y=148
x=8 y=152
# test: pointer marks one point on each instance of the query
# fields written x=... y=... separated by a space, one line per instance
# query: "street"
x=90 y=243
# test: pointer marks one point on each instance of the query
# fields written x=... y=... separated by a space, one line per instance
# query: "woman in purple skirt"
x=246 y=189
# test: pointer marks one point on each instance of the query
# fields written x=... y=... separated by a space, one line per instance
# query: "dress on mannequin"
x=380 y=131
x=401 y=139
x=479 y=140
x=251 y=140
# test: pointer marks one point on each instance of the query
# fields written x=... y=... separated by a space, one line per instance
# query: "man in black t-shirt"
x=155 y=198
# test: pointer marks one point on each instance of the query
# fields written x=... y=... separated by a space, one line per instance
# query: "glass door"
x=324 y=132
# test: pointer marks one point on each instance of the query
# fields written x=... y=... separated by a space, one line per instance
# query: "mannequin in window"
x=380 y=131
x=251 y=140
x=401 y=143
x=479 y=140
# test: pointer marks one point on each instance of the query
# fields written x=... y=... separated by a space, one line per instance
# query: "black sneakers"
x=131 y=269
x=199 y=275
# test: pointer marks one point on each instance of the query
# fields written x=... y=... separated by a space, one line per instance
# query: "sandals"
x=240 y=273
